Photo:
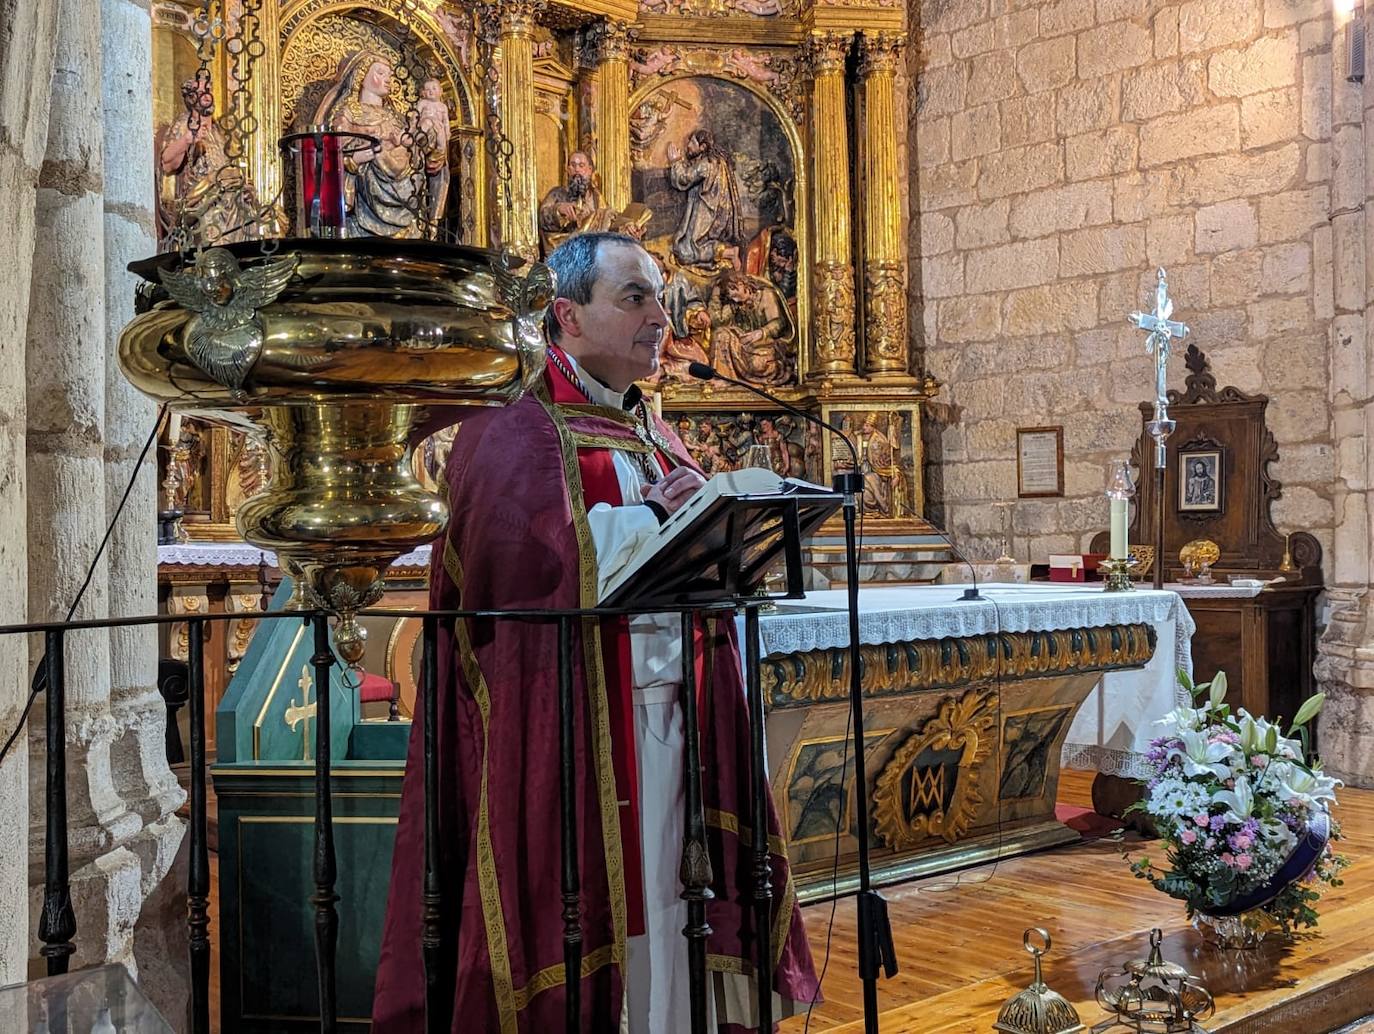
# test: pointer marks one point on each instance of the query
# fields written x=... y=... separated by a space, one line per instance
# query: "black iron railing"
x=58 y=929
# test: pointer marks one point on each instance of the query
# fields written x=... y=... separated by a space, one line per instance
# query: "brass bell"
x=1037 y=1009
x=1152 y=996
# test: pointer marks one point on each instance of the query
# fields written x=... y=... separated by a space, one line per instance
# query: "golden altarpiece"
x=756 y=147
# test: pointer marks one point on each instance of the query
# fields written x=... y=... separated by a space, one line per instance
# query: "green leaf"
x=1309 y=710
x=1271 y=741
x=1218 y=690
x=1185 y=680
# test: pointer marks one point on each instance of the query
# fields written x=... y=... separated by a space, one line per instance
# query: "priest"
x=549 y=497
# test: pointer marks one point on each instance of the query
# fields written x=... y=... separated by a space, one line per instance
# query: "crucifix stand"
x=1160 y=331
x=305 y=711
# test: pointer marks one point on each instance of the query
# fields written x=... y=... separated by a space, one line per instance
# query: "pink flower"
x=1240 y=841
x=1188 y=836
x=1260 y=760
x=1228 y=858
x=1202 y=820
x=1242 y=862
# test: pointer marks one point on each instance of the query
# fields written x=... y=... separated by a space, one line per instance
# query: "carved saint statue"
x=706 y=174
x=880 y=452
x=194 y=198
x=753 y=337
x=433 y=117
x=382 y=192
x=577 y=207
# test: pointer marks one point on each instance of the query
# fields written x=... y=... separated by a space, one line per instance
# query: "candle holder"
x=1120 y=488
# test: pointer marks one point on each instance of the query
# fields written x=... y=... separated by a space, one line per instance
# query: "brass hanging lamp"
x=1038 y=1009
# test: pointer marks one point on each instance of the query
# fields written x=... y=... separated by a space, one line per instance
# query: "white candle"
x=657 y=402
x=1120 y=508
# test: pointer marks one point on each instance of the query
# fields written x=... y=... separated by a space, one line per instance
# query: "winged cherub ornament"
x=225 y=336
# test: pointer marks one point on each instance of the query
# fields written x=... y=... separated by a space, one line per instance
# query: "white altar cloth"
x=241 y=554
x=1112 y=729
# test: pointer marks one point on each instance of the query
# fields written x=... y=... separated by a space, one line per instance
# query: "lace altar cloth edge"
x=241 y=554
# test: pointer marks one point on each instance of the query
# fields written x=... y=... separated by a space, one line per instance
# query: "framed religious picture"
x=1200 y=480
x=1039 y=462
x=887 y=437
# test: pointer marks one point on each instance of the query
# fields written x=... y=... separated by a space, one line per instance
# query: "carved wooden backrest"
x=1235 y=510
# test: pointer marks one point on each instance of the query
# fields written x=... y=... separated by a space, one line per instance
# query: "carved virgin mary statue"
x=384 y=184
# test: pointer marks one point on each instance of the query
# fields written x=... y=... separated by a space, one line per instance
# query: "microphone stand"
x=876 y=949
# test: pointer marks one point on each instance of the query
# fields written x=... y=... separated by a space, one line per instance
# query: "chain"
x=409 y=76
x=499 y=148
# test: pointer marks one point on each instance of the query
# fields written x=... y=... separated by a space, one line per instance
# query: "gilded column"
x=608 y=51
x=264 y=159
x=519 y=223
x=885 y=344
x=832 y=274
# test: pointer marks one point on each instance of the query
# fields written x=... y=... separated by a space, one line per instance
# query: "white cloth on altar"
x=1113 y=728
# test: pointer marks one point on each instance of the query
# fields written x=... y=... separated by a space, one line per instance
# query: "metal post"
x=438 y=983
x=1159 y=515
x=57 y=925
x=326 y=873
x=567 y=794
x=763 y=873
x=695 y=872
x=198 y=889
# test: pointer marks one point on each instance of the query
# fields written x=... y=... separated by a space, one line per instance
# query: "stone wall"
x=1063 y=150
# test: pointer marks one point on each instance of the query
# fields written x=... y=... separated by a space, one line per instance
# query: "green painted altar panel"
x=266 y=849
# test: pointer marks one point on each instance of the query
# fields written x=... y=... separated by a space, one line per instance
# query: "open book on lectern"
x=722 y=541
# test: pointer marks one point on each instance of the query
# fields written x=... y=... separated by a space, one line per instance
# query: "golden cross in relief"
x=1161 y=331
x=303 y=712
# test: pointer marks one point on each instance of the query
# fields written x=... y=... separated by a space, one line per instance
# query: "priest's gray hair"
x=574 y=265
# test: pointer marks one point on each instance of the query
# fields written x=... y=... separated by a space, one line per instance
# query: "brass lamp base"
x=1117 y=576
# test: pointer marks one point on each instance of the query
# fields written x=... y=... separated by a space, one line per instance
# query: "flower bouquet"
x=1243 y=813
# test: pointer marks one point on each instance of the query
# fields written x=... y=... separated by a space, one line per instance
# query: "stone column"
x=519 y=221
x=608 y=50
x=26 y=62
x=832 y=271
x=65 y=363
x=1345 y=663
x=885 y=342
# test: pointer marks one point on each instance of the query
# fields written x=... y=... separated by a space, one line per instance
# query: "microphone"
x=847 y=484
x=969 y=595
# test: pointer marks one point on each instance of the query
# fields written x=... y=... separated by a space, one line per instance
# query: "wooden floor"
x=959 y=943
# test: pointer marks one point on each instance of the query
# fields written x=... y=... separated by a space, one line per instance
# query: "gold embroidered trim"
x=573 y=410
x=503 y=985
x=596 y=682
x=729 y=823
x=609 y=441
x=548 y=979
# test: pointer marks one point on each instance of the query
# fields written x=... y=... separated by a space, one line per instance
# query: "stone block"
x=1292 y=215
x=1141 y=195
x=1190 y=285
x=1219 y=327
x=1166 y=32
x=1269 y=118
x=1302 y=507
x=946 y=185
x=1316 y=96
x=979 y=400
x=934 y=51
x=1267 y=64
x=991 y=78
x=1161 y=89
x=1113 y=47
x=1112 y=430
x=1323 y=302
x=1014 y=28
x=1017 y=170
x=1294 y=362
x=1239 y=175
x=1070 y=207
x=932 y=142
x=1214 y=130
x=937 y=233
x=975 y=131
x=979 y=226
x=1021 y=264
x=942 y=276
x=941 y=91
x=1279 y=14
x=1051 y=308
x=1106 y=152
x=1313 y=463
x=1093 y=104
x=1318 y=163
x=1102 y=250
x=1028 y=120
x=1046 y=65
x=1348 y=238
x=975 y=317
x=1226 y=226
x=1274 y=316
x=1169 y=239
x=1066 y=16
x=1288 y=268
x=976 y=39
x=941 y=16
x=1237 y=277
x=1208 y=24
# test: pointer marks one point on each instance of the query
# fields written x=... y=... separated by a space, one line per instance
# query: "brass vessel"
x=1038 y=1009
x=343 y=355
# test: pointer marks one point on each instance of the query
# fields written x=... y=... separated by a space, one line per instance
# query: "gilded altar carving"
x=778 y=72
x=892 y=669
x=833 y=300
x=885 y=346
x=929 y=787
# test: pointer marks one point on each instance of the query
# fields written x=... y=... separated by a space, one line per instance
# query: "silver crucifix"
x=1160 y=331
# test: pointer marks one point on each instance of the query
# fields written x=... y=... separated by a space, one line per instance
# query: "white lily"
x=1200 y=755
x=1184 y=719
x=1292 y=783
x=1254 y=733
x=1240 y=802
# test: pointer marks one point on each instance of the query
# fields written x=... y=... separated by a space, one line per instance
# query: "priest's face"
x=617 y=335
